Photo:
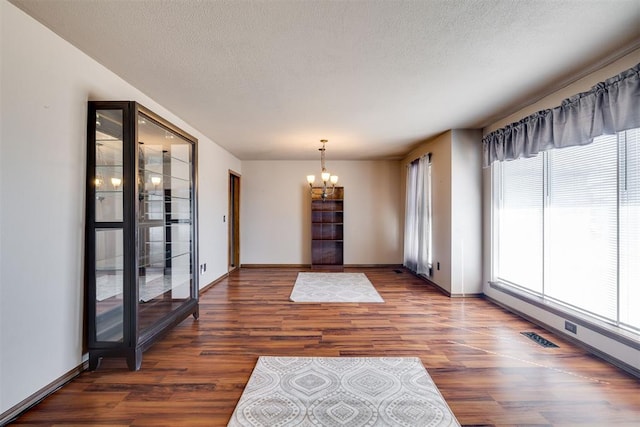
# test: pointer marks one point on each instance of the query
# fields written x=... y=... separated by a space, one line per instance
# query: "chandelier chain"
x=326 y=177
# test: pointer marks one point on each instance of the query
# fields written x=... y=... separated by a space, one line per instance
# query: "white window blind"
x=520 y=230
x=581 y=228
x=568 y=224
x=630 y=228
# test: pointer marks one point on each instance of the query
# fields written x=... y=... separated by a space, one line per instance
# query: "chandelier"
x=327 y=178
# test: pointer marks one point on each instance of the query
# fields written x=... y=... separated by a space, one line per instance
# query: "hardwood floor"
x=486 y=370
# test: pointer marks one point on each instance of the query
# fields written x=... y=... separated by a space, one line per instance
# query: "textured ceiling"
x=269 y=79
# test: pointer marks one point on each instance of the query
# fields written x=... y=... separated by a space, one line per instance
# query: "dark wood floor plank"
x=487 y=371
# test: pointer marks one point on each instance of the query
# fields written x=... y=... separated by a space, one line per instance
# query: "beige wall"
x=440 y=149
x=275 y=211
x=456 y=209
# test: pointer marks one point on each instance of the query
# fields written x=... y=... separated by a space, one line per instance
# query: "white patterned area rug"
x=334 y=287
x=341 y=391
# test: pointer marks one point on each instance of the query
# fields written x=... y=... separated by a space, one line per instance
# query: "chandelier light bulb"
x=156 y=180
x=334 y=179
x=325 y=176
x=311 y=179
x=116 y=182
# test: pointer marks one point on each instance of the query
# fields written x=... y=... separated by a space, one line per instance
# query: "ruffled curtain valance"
x=609 y=107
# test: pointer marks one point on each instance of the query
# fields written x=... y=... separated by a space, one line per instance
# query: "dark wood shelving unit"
x=327 y=228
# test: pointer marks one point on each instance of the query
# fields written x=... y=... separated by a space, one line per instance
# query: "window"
x=568 y=226
x=630 y=228
x=522 y=198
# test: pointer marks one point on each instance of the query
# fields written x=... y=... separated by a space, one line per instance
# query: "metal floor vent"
x=397 y=271
x=538 y=339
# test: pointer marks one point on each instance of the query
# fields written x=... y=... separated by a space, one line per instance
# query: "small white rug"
x=341 y=391
x=334 y=287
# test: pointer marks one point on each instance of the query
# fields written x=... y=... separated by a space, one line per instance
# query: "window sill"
x=620 y=335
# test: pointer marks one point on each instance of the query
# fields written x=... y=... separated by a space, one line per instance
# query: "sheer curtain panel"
x=417 y=235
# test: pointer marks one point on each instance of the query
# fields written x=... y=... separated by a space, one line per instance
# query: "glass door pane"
x=109 y=247
x=165 y=250
x=108 y=171
x=109 y=285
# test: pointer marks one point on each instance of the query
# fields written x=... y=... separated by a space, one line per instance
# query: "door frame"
x=234 y=221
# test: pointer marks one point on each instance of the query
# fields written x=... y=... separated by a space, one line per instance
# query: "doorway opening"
x=234 y=220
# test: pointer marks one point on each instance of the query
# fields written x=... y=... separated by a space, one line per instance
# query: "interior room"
x=134 y=132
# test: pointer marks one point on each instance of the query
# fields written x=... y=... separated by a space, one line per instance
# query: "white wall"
x=46 y=84
x=466 y=212
x=275 y=211
x=582 y=85
x=213 y=206
x=611 y=347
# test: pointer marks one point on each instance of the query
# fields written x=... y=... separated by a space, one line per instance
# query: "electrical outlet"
x=438 y=266
x=571 y=327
